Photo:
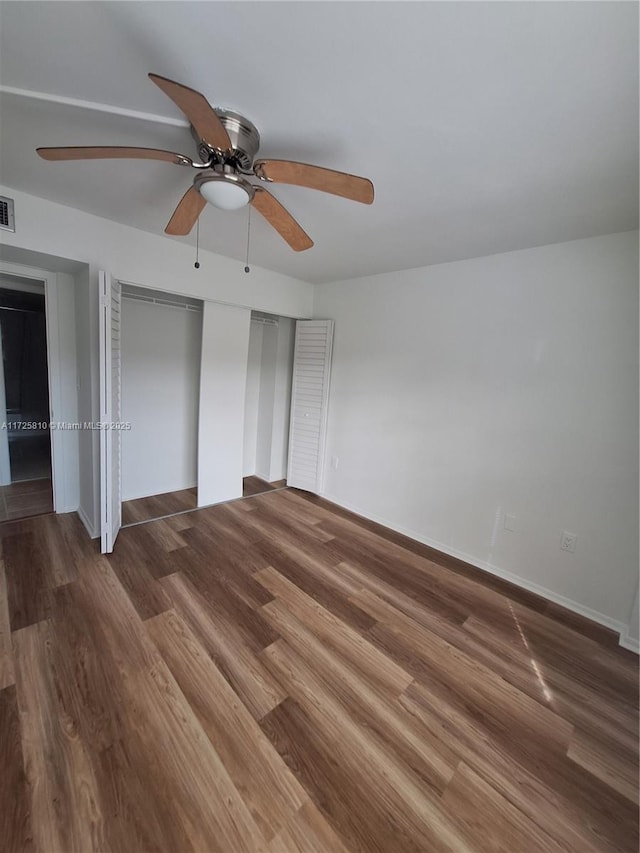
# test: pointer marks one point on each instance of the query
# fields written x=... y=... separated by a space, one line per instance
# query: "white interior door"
x=110 y=412
x=309 y=401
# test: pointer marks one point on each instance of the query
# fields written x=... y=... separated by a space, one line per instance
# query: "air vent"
x=7 y=220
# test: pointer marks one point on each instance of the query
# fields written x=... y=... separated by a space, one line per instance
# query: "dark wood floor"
x=170 y=503
x=269 y=675
x=257 y=486
x=26 y=498
x=158 y=506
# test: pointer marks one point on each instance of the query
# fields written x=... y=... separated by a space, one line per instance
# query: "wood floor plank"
x=229 y=522
x=430 y=613
x=65 y=805
x=162 y=736
x=575 y=809
x=7 y=675
x=271 y=792
x=582 y=705
x=102 y=677
x=391 y=788
x=602 y=635
x=27 y=587
x=255 y=486
x=379 y=668
x=342 y=801
x=157 y=506
x=15 y=814
x=489 y=821
x=617 y=769
x=79 y=551
x=164 y=537
x=134 y=823
x=88 y=679
x=423 y=590
x=234 y=567
x=568 y=651
x=180 y=522
x=52 y=548
x=303 y=574
x=307 y=831
x=274 y=515
x=131 y=564
x=225 y=643
x=512 y=709
x=229 y=592
x=366 y=705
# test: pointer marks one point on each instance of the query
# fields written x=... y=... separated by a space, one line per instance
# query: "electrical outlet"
x=568 y=541
x=510 y=522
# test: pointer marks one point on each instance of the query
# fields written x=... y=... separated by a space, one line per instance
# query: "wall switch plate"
x=334 y=462
x=568 y=541
x=510 y=523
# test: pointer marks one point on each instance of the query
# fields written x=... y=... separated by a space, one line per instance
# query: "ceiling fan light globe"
x=225 y=194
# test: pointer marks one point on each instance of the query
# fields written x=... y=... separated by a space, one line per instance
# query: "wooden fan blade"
x=316 y=178
x=186 y=213
x=111 y=152
x=198 y=110
x=280 y=218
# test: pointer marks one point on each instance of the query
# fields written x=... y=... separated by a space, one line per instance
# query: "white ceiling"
x=485 y=127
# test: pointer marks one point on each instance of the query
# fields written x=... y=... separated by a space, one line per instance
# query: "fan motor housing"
x=244 y=136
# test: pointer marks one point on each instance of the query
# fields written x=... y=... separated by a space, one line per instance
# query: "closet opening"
x=267 y=403
x=161 y=342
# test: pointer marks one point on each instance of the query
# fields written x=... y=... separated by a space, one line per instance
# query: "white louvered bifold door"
x=309 y=401
x=110 y=412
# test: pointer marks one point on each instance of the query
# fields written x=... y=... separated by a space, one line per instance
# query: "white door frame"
x=110 y=404
x=50 y=281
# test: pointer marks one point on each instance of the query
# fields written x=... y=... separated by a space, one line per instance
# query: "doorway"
x=161 y=345
x=25 y=438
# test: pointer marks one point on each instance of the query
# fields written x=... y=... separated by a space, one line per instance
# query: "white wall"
x=506 y=384
x=252 y=399
x=282 y=399
x=265 y=409
x=223 y=376
x=160 y=386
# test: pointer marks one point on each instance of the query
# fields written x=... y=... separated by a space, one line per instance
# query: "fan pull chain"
x=247 y=268
x=197 y=263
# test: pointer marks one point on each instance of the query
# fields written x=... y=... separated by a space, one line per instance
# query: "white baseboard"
x=88 y=525
x=554 y=597
x=628 y=642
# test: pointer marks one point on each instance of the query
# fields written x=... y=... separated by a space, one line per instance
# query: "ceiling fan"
x=227 y=146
